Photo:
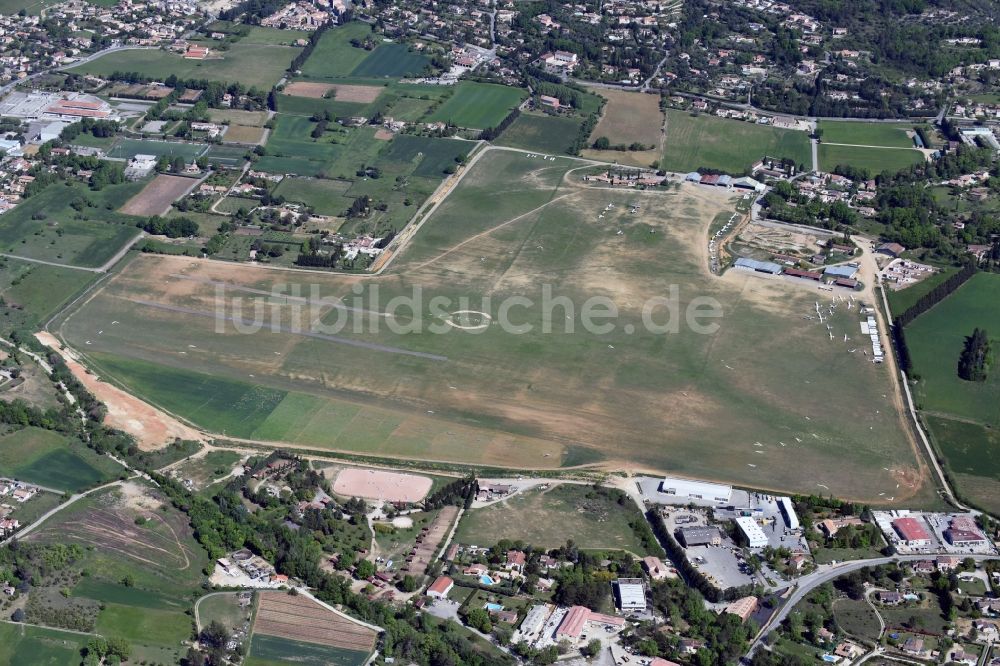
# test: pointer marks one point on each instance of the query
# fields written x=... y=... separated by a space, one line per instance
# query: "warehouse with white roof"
x=754 y=536
x=690 y=489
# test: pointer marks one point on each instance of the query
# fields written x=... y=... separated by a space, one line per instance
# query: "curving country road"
x=810 y=582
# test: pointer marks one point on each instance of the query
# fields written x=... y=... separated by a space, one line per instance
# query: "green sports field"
x=252 y=64
x=528 y=399
x=876 y=160
x=728 y=145
x=478 y=105
x=891 y=135
x=126 y=149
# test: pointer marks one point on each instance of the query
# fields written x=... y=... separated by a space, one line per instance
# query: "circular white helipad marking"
x=486 y=320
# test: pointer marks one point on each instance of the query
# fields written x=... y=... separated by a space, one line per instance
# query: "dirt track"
x=151 y=428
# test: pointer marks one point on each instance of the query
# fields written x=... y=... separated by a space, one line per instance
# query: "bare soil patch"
x=151 y=428
x=384 y=135
x=302 y=619
x=381 y=485
x=337 y=91
x=630 y=117
x=244 y=134
x=156 y=197
x=111 y=526
x=308 y=89
x=359 y=94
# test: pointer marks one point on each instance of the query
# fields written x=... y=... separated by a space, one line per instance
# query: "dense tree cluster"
x=973 y=361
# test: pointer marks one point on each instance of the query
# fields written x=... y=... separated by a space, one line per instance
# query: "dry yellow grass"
x=630 y=117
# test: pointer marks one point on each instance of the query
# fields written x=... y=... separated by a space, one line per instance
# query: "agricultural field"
x=935 y=340
x=244 y=134
x=46 y=226
x=254 y=65
x=547 y=134
x=326 y=197
x=287 y=626
x=889 y=135
x=33 y=292
x=225 y=608
x=22 y=644
x=52 y=460
x=334 y=57
x=478 y=105
x=876 y=160
x=630 y=117
x=238 y=117
x=156 y=197
x=694 y=142
x=961 y=416
x=392 y=61
x=548 y=518
x=522 y=399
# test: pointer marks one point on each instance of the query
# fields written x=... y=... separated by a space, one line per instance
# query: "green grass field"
x=254 y=65
x=876 y=160
x=533 y=399
x=961 y=416
x=866 y=134
x=548 y=518
x=478 y=105
x=33 y=292
x=391 y=61
x=21 y=644
x=146 y=626
x=334 y=57
x=728 y=145
x=223 y=608
x=857 y=619
x=307 y=106
x=547 y=134
x=935 y=339
x=61 y=234
x=126 y=149
x=325 y=196
x=272 y=651
x=52 y=460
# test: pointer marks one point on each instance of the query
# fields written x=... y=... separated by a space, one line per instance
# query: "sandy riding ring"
x=469 y=320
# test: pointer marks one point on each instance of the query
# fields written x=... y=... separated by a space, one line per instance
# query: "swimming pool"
x=494 y=607
x=486 y=580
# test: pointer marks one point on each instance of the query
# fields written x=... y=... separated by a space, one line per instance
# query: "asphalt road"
x=810 y=582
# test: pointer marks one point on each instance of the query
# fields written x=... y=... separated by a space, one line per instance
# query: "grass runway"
x=736 y=404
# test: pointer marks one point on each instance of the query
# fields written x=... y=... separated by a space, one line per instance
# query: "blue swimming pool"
x=486 y=580
x=494 y=607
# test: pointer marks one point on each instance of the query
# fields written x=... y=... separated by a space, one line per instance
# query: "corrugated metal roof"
x=763 y=266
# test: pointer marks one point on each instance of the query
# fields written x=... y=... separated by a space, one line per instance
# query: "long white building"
x=751 y=531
